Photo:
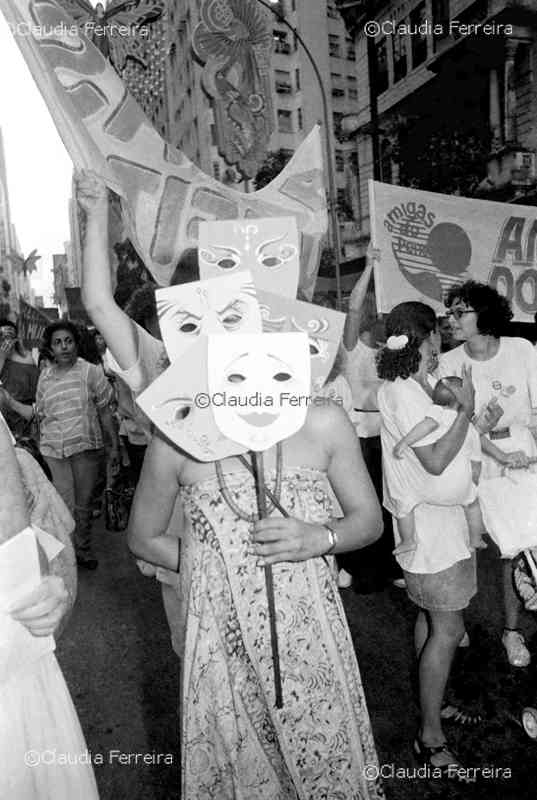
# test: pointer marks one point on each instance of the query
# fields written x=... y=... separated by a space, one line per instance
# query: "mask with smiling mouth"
x=269 y=248
x=226 y=304
x=229 y=394
x=264 y=381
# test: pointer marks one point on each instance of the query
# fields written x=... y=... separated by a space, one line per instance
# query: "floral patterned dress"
x=235 y=744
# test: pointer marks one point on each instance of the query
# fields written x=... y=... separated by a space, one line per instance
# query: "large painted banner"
x=164 y=195
x=428 y=242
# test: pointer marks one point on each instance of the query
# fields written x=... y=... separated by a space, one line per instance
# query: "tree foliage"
x=447 y=161
x=271 y=167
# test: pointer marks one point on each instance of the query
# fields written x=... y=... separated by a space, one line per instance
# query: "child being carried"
x=445 y=403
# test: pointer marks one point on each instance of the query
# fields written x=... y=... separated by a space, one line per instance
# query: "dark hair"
x=4 y=322
x=187 y=268
x=60 y=325
x=142 y=305
x=416 y=321
x=442 y=394
x=493 y=310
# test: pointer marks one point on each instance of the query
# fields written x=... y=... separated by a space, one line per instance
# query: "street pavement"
x=123 y=677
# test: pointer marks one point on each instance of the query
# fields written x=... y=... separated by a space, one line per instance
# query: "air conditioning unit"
x=523 y=168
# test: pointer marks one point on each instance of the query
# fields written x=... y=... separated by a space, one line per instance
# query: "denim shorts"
x=448 y=590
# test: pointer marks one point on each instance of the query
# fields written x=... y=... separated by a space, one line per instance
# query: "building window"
x=352 y=87
x=216 y=170
x=297 y=79
x=336 y=119
x=331 y=10
x=300 y=119
x=382 y=66
x=351 y=50
x=334 y=48
x=418 y=16
x=399 y=56
x=281 y=45
x=214 y=138
x=340 y=161
x=282 y=82
x=285 y=121
x=337 y=85
x=440 y=10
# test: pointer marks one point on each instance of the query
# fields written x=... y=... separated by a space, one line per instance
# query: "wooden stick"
x=271 y=496
x=261 y=492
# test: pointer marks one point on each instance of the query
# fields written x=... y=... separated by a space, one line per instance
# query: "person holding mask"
x=72 y=405
x=504 y=370
x=227 y=669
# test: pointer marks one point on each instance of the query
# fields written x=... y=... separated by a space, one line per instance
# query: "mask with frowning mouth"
x=224 y=304
x=269 y=248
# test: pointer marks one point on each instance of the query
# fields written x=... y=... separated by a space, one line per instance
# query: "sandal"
x=453 y=770
x=456 y=715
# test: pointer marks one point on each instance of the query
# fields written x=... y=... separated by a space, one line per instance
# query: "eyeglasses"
x=457 y=313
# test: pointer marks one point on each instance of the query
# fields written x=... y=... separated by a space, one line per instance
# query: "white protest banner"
x=428 y=242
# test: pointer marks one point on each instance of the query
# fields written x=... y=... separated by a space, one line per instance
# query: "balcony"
x=282 y=47
x=283 y=87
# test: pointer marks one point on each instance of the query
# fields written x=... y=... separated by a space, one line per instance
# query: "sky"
x=38 y=168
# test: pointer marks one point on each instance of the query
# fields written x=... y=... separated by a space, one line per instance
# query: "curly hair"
x=416 y=321
x=493 y=310
x=60 y=325
x=142 y=305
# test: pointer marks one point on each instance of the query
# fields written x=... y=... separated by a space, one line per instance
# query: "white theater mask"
x=225 y=304
x=260 y=386
x=323 y=326
x=269 y=248
x=176 y=402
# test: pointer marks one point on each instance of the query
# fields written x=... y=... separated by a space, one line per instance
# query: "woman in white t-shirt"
x=440 y=573
x=503 y=369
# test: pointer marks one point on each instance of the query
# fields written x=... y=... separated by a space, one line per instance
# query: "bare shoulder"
x=328 y=422
x=165 y=456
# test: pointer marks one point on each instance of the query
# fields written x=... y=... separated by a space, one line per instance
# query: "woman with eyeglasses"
x=504 y=369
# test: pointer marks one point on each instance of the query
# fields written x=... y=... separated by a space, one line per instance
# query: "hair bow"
x=397 y=342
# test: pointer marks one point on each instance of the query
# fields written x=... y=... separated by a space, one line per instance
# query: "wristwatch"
x=333 y=539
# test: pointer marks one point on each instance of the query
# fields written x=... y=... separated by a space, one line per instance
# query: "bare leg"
x=407 y=532
x=476 y=526
x=510 y=599
x=446 y=629
x=513 y=641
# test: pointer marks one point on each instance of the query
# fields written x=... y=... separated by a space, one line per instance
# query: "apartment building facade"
x=453 y=86
x=296 y=96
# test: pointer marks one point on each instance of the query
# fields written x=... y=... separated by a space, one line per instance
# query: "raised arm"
x=351 y=331
x=153 y=506
x=117 y=328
